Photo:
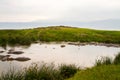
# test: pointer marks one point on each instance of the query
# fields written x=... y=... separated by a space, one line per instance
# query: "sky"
x=58 y=10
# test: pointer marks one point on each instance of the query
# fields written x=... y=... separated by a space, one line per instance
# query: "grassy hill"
x=57 y=33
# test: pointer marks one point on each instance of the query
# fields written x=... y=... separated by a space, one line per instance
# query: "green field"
x=57 y=34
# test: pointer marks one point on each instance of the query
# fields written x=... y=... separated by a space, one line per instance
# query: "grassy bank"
x=58 y=33
x=104 y=69
x=104 y=72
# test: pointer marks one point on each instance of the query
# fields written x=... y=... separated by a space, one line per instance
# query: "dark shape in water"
x=62 y=46
x=2 y=51
x=8 y=58
x=4 y=57
x=15 y=52
x=22 y=59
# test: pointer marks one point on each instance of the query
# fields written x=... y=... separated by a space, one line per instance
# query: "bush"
x=103 y=61
x=67 y=71
x=117 y=59
x=42 y=72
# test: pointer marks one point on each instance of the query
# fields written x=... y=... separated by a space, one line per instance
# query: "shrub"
x=117 y=59
x=67 y=71
x=103 y=61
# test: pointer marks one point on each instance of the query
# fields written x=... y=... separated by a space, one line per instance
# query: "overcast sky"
x=58 y=10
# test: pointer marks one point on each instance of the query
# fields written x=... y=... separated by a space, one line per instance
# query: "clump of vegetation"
x=117 y=59
x=42 y=72
x=108 y=60
x=68 y=71
x=103 y=61
x=12 y=74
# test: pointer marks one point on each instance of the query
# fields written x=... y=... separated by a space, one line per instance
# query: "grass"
x=104 y=72
x=117 y=59
x=42 y=72
x=104 y=61
x=58 y=34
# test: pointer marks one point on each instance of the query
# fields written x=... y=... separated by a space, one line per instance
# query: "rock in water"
x=22 y=59
x=15 y=52
x=62 y=46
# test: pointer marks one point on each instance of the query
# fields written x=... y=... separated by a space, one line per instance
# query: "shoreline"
x=83 y=43
x=71 y=43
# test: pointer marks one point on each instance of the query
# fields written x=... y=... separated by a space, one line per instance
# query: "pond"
x=83 y=56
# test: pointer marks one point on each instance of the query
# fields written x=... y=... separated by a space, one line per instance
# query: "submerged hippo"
x=62 y=46
x=22 y=59
x=4 y=57
x=15 y=52
x=2 y=51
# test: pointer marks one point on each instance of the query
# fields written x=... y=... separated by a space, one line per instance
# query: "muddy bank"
x=93 y=43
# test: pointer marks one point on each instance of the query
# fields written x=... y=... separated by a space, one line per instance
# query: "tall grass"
x=42 y=72
x=68 y=71
x=108 y=60
x=117 y=59
x=103 y=61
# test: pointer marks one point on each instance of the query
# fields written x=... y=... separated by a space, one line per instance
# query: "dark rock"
x=62 y=46
x=2 y=51
x=15 y=52
x=22 y=59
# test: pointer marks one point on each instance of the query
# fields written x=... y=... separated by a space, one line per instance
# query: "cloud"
x=63 y=10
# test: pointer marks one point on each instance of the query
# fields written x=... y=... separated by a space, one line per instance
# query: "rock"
x=22 y=59
x=15 y=52
x=62 y=46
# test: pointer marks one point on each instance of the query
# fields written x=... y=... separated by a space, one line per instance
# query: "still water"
x=83 y=56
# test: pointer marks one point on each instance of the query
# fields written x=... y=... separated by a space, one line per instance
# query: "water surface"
x=83 y=56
